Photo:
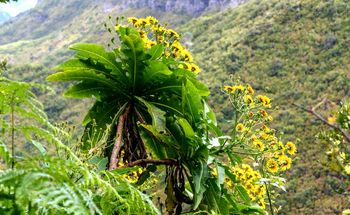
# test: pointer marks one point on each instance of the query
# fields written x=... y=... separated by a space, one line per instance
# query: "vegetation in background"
x=294 y=50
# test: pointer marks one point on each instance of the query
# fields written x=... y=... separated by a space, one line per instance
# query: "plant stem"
x=268 y=196
x=118 y=141
x=12 y=136
x=267 y=188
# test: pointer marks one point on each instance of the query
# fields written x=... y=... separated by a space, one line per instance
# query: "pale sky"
x=15 y=8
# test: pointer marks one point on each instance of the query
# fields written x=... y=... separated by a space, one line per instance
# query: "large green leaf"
x=156 y=51
x=157 y=150
x=82 y=75
x=186 y=127
x=96 y=53
x=243 y=193
x=87 y=90
x=156 y=71
x=158 y=115
x=199 y=171
x=192 y=101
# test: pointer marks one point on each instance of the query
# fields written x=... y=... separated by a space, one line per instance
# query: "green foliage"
x=59 y=183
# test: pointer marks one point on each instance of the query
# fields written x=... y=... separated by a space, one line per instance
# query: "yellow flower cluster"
x=250 y=180
x=169 y=38
x=265 y=101
x=248 y=93
x=278 y=159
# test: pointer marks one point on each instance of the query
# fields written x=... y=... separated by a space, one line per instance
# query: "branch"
x=118 y=141
x=141 y=162
x=336 y=126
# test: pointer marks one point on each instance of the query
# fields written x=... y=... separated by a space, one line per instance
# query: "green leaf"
x=156 y=51
x=100 y=162
x=243 y=193
x=143 y=177
x=198 y=173
x=96 y=53
x=82 y=75
x=158 y=116
x=87 y=90
x=235 y=159
x=193 y=101
x=40 y=147
x=4 y=153
x=186 y=127
x=209 y=114
x=156 y=149
x=155 y=71
x=163 y=138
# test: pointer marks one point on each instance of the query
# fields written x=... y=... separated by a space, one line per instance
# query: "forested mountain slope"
x=296 y=51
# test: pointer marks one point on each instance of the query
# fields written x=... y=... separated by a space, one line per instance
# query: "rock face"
x=191 y=7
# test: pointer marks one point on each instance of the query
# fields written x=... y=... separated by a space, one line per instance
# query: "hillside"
x=296 y=51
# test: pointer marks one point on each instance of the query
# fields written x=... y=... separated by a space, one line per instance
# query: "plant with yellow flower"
x=147 y=90
x=254 y=142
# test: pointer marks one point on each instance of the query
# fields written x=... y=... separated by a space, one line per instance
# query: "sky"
x=15 y=8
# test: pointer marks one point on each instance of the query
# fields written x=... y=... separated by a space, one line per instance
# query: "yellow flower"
x=279 y=154
x=285 y=162
x=265 y=136
x=194 y=68
x=253 y=137
x=250 y=89
x=262 y=203
x=266 y=102
x=248 y=99
x=228 y=182
x=214 y=172
x=132 y=20
x=247 y=168
x=259 y=190
x=150 y=43
x=187 y=55
x=229 y=89
x=251 y=114
x=173 y=33
x=249 y=187
x=240 y=127
x=151 y=20
x=291 y=148
x=240 y=174
x=272 y=166
x=263 y=113
x=332 y=119
x=239 y=88
x=266 y=129
x=143 y=34
x=260 y=145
